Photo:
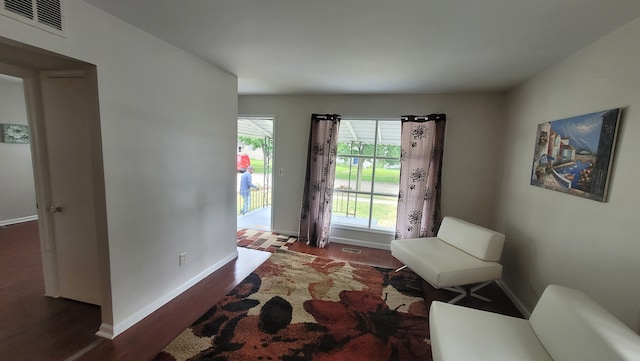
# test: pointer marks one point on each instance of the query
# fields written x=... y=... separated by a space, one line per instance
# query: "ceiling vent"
x=44 y=14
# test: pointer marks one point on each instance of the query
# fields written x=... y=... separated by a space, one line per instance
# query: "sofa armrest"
x=572 y=326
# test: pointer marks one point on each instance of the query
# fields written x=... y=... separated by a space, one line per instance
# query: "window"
x=367 y=174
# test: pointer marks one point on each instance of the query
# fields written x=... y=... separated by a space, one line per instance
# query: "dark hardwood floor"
x=34 y=327
x=343 y=252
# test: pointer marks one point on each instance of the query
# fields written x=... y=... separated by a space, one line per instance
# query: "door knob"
x=53 y=209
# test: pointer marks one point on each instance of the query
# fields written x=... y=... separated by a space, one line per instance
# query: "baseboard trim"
x=106 y=331
x=18 y=220
x=357 y=242
x=111 y=332
x=516 y=301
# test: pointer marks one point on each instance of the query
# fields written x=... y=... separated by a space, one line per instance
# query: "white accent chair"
x=565 y=325
x=462 y=254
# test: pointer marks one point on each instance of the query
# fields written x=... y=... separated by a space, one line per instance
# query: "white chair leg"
x=474 y=289
x=401 y=268
x=479 y=297
x=462 y=294
x=467 y=292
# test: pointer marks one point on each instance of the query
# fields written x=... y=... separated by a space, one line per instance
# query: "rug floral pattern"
x=263 y=240
x=297 y=307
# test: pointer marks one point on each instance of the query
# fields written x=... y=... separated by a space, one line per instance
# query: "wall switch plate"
x=281 y=171
x=182 y=259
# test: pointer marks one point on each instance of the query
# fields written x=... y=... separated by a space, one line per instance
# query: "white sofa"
x=566 y=325
x=461 y=254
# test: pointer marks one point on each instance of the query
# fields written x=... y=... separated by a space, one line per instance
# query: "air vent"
x=351 y=250
x=45 y=14
x=50 y=13
x=20 y=7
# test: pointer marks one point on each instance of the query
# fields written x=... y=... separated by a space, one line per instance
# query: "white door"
x=71 y=208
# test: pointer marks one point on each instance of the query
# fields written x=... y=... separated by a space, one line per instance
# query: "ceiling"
x=377 y=46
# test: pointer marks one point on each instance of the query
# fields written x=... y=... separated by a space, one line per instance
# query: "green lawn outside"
x=258 y=165
x=342 y=172
x=382 y=174
x=384 y=208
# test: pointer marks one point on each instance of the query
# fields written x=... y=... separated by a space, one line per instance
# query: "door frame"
x=30 y=64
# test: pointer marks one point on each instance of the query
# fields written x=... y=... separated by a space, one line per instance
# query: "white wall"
x=17 y=192
x=472 y=145
x=557 y=238
x=168 y=122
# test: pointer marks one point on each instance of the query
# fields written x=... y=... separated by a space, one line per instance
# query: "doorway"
x=73 y=241
x=255 y=143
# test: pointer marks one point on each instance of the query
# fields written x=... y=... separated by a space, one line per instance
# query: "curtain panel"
x=422 y=149
x=315 y=218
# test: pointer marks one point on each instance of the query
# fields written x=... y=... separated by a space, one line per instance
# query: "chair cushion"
x=441 y=264
x=478 y=241
x=461 y=334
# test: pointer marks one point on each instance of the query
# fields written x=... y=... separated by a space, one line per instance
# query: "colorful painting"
x=574 y=155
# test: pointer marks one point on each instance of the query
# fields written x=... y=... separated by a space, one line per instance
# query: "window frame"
x=371 y=193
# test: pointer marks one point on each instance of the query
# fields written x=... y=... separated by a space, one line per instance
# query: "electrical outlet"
x=281 y=171
x=182 y=259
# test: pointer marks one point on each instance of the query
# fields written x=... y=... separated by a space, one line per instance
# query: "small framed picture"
x=14 y=133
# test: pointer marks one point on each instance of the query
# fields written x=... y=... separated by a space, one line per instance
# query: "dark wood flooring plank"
x=147 y=338
x=32 y=326
x=370 y=256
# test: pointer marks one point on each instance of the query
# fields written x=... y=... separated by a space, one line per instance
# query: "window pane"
x=388 y=144
x=355 y=175
x=366 y=174
x=384 y=212
x=387 y=180
x=344 y=203
x=356 y=148
x=351 y=209
x=349 y=148
x=367 y=149
x=358 y=130
x=352 y=175
x=343 y=168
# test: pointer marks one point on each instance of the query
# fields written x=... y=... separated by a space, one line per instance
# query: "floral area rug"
x=263 y=240
x=297 y=307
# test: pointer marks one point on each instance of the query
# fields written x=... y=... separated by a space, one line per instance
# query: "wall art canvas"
x=14 y=133
x=574 y=155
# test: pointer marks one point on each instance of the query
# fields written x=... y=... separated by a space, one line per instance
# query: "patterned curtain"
x=315 y=220
x=422 y=148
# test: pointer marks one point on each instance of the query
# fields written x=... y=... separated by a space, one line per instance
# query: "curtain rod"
x=326 y=116
x=424 y=118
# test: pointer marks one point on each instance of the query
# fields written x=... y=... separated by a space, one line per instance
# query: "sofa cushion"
x=462 y=334
x=478 y=241
x=574 y=327
x=441 y=264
